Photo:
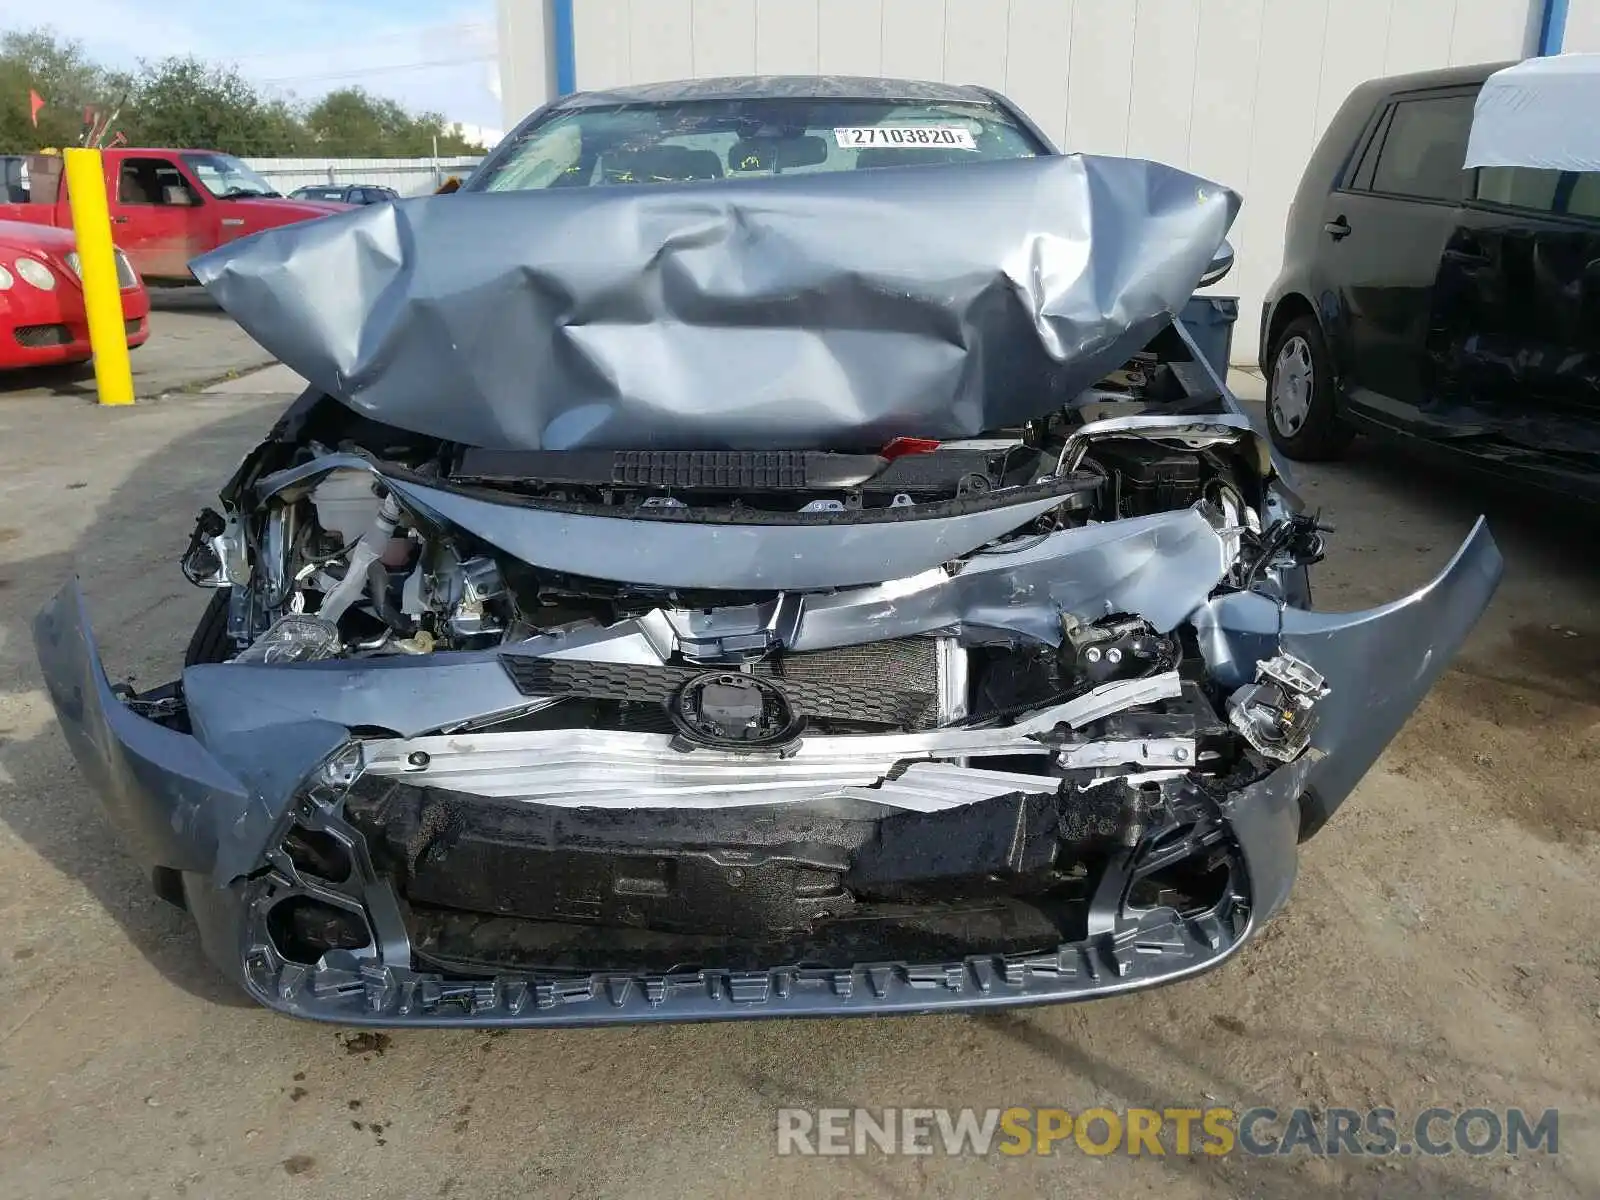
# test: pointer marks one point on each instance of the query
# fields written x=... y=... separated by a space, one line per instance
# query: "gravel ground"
x=1439 y=948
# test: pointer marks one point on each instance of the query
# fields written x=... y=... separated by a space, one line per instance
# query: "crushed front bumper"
x=268 y=749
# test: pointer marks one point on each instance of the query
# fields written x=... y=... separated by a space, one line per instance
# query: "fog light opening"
x=318 y=853
x=1190 y=885
x=303 y=929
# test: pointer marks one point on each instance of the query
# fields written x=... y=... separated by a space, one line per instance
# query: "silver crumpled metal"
x=821 y=311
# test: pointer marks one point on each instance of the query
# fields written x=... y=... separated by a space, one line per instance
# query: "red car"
x=167 y=206
x=42 y=320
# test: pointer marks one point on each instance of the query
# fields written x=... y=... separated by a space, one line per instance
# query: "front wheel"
x=1301 y=409
x=210 y=642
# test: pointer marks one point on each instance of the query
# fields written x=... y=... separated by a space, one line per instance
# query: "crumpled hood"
x=808 y=311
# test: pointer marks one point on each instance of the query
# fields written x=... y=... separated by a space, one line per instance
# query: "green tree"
x=186 y=102
x=349 y=123
x=352 y=123
x=452 y=142
x=58 y=70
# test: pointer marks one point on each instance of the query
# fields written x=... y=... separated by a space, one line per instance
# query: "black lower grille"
x=764 y=470
x=894 y=684
x=37 y=337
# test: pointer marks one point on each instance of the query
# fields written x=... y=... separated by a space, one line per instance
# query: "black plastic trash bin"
x=1209 y=320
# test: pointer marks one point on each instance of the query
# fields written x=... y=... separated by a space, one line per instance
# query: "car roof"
x=800 y=87
x=1444 y=77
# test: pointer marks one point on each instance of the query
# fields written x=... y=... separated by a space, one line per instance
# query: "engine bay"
x=330 y=563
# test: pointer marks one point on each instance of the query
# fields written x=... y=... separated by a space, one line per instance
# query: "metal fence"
x=408 y=176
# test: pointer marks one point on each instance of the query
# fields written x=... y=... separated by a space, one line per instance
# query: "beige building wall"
x=1583 y=27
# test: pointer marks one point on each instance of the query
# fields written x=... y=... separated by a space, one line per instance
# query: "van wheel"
x=210 y=642
x=1301 y=409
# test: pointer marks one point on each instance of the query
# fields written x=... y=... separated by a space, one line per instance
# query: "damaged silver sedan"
x=785 y=589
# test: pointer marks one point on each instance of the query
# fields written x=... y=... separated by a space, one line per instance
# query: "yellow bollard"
x=102 y=298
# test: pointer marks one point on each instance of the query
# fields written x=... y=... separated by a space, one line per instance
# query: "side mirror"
x=1221 y=264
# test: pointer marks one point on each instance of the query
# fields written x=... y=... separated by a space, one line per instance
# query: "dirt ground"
x=1440 y=947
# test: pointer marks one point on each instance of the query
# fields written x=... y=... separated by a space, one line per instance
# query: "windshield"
x=741 y=139
x=225 y=176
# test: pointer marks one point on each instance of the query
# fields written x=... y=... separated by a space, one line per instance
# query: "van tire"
x=1302 y=399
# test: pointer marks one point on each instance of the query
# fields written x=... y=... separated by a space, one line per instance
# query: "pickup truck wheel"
x=210 y=642
x=1302 y=413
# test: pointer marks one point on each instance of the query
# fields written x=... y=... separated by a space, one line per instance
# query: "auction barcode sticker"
x=905 y=137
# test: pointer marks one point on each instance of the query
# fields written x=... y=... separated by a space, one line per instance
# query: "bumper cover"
x=212 y=804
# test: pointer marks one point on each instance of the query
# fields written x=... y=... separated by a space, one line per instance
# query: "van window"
x=1519 y=187
x=1583 y=196
x=1422 y=155
x=1569 y=193
x=1361 y=177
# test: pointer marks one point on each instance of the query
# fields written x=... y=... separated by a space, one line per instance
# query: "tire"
x=1302 y=402
x=210 y=642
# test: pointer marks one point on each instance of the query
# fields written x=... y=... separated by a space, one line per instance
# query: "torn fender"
x=164 y=792
x=1378 y=663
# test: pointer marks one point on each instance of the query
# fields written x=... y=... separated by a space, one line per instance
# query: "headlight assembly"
x=35 y=272
x=127 y=277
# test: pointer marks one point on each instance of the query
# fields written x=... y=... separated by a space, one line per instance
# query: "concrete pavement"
x=275 y=379
x=192 y=344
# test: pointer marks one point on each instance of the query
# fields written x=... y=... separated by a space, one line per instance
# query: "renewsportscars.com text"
x=1215 y=1131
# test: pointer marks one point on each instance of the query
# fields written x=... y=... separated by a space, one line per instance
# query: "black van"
x=1423 y=300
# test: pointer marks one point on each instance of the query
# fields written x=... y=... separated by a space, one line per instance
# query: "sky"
x=433 y=55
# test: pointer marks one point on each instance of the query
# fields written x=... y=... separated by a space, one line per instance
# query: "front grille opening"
x=318 y=853
x=303 y=929
x=493 y=885
x=38 y=337
x=475 y=943
x=888 y=685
